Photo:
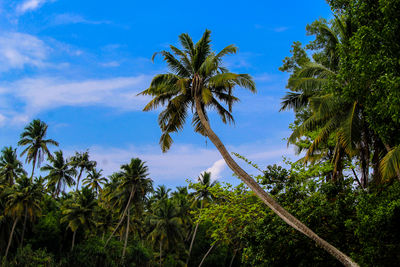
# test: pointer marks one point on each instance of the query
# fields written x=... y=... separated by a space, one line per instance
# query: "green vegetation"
x=345 y=190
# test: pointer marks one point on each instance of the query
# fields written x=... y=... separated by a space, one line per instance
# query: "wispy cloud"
x=281 y=29
x=18 y=50
x=34 y=95
x=68 y=18
x=30 y=5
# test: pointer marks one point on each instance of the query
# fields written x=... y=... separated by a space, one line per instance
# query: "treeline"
x=344 y=88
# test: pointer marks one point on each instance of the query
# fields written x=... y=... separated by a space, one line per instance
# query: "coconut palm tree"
x=203 y=196
x=34 y=138
x=10 y=167
x=198 y=81
x=82 y=162
x=60 y=173
x=132 y=189
x=78 y=212
x=95 y=180
x=161 y=192
x=23 y=201
x=166 y=225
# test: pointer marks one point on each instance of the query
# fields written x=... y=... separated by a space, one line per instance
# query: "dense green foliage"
x=344 y=88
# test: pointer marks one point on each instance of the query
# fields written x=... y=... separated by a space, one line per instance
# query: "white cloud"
x=216 y=169
x=30 y=5
x=44 y=93
x=67 y=18
x=281 y=29
x=18 y=50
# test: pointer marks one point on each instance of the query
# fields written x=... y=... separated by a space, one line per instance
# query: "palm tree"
x=81 y=161
x=10 y=167
x=197 y=81
x=166 y=225
x=60 y=173
x=132 y=190
x=34 y=138
x=204 y=196
x=78 y=212
x=23 y=200
x=161 y=192
x=95 y=180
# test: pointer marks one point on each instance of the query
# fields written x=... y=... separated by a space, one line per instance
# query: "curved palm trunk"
x=233 y=258
x=24 y=227
x=194 y=236
x=265 y=197
x=33 y=167
x=11 y=235
x=205 y=256
x=73 y=241
x=160 y=251
x=123 y=216
x=79 y=178
x=126 y=234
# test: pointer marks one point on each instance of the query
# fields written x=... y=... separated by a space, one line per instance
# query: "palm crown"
x=195 y=72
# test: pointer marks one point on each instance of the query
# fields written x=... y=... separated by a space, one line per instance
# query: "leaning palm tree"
x=95 y=180
x=34 y=138
x=166 y=225
x=198 y=81
x=60 y=173
x=10 y=167
x=23 y=201
x=78 y=212
x=82 y=162
x=132 y=189
x=204 y=196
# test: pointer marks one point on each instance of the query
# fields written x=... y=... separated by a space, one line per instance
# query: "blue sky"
x=78 y=66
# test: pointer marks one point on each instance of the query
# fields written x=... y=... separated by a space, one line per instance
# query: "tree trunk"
x=233 y=258
x=73 y=240
x=126 y=234
x=23 y=228
x=123 y=216
x=33 y=167
x=205 y=256
x=11 y=235
x=194 y=236
x=266 y=198
x=79 y=178
x=160 y=251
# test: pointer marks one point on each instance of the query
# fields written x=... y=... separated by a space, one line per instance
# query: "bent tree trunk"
x=205 y=256
x=79 y=178
x=122 y=217
x=265 y=197
x=73 y=240
x=24 y=227
x=193 y=237
x=11 y=235
x=126 y=234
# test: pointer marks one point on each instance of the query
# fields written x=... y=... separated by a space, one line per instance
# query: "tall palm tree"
x=82 y=162
x=161 y=192
x=23 y=201
x=203 y=196
x=60 y=173
x=166 y=225
x=197 y=81
x=34 y=138
x=78 y=212
x=95 y=180
x=132 y=190
x=10 y=166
